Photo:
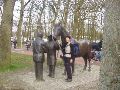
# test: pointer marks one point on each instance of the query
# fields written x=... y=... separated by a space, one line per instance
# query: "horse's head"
x=57 y=30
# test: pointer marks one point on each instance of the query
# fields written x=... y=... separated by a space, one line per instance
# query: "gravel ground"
x=25 y=80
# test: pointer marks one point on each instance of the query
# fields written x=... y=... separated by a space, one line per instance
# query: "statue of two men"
x=39 y=48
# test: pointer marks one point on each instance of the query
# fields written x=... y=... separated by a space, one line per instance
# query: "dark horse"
x=85 y=47
x=96 y=49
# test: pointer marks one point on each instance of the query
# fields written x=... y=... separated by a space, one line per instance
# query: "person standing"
x=67 y=59
x=28 y=44
x=38 y=56
x=72 y=42
x=15 y=43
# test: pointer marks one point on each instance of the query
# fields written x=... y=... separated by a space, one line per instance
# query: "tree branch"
x=26 y=3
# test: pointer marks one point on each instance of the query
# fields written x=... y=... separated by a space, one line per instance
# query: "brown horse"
x=85 y=47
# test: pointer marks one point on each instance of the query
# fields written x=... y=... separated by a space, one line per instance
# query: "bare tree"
x=72 y=14
x=30 y=22
x=39 y=6
x=19 y=30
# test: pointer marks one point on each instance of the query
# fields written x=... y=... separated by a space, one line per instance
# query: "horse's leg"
x=89 y=68
x=85 y=60
x=90 y=56
x=73 y=65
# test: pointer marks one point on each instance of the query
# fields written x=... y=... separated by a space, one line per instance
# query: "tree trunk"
x=24 y=32
x=29 y=23
x=19 y=30
x=5 y=32
x=66 y=11
x=110 y=67
x=20 y=25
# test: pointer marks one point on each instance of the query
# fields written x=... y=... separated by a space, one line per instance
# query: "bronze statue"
x=51 y=46
x=38 y=56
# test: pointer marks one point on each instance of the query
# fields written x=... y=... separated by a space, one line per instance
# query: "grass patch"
x=21 y=61
x=18 y=61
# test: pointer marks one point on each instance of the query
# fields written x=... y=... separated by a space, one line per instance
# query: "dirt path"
x=83 y=80
x=77 y=61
